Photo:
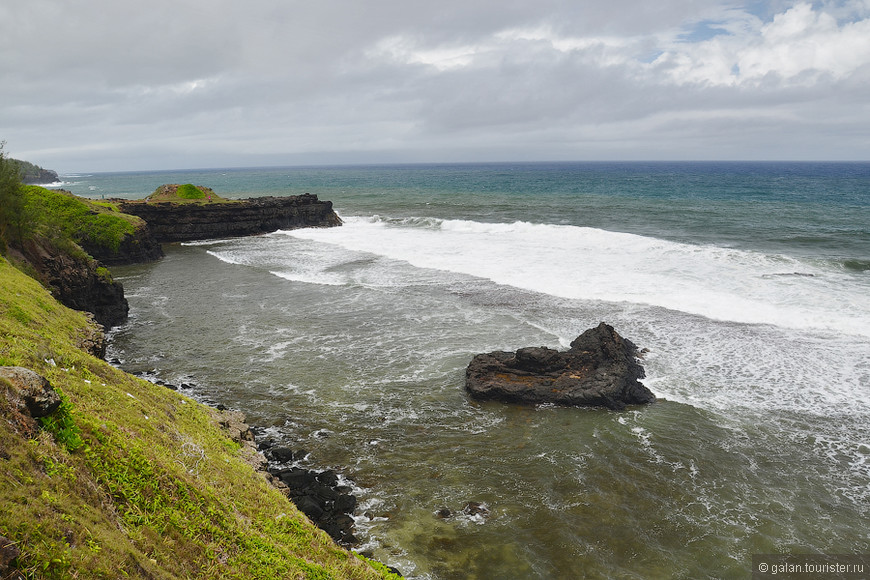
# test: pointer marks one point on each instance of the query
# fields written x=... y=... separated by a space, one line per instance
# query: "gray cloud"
x=115 y=85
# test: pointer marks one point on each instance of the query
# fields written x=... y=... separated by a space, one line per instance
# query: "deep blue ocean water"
x=749 y=283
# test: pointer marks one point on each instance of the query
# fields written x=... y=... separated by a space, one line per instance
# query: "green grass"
x=132 y=480
x=190 y=191
x=56 y=213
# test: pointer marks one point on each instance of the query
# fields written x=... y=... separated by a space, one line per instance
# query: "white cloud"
x=196 y=82
x=801 y=46
x=405 y=50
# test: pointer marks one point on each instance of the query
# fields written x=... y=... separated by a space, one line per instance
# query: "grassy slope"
x=152 y=488
x=82 y=220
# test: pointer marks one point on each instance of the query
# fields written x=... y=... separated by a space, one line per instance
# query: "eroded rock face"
x=78 y=282
x=92 y=338
x=139 y=247
x=601 y=369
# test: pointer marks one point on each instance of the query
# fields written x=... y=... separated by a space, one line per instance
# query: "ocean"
x=748 y=283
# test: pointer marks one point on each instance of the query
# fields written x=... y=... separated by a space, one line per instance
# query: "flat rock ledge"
x=601 y=369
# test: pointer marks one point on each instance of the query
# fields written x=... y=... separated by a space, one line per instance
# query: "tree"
x=12 y=206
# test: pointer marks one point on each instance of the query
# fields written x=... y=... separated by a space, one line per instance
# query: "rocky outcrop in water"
x=601 y=369
x=183 y=222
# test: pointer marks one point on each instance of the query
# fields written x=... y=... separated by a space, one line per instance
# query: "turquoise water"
x=748 y=283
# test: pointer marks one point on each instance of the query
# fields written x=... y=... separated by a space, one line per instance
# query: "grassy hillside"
x=84 y=221
x=129 y=479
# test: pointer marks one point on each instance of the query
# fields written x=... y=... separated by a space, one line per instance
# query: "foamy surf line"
x=592 y=264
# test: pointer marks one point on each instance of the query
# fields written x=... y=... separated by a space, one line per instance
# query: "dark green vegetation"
x=126 y=478
x=29 y=211
x=12 y=215
x=31 y=173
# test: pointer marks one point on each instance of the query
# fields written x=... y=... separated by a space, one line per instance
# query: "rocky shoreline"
x=320 y=495
x=83 y=283
x=324 y=496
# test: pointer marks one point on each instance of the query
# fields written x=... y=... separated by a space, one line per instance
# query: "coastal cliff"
x=67 y=240
x=76 y=280
x=106 y=475
x=175 y=222
x=32 y=174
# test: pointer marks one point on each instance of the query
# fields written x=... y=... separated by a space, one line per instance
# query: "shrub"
x=62 y=425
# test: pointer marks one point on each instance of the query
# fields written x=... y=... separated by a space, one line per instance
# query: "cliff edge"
x=171 y=221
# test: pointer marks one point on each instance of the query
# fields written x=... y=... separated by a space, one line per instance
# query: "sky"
x=125 y=85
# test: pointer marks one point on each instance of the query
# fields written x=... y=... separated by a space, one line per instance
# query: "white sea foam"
x=593 y=264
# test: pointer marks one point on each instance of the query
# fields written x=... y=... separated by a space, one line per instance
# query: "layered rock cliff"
x=76 y=280
x=175 y=222
x=135 y=248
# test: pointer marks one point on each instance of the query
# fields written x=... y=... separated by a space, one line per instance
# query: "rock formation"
x=600 y=369
x=27 y=396
x=184 y=222
x=320 y=495
x=8 y=553
x=77 y=281
x=136 y=248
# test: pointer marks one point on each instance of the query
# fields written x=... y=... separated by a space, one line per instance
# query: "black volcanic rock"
x=320 y=497
x=77 y=281
x=184 y=222
x=136 y=248
x=600 y=370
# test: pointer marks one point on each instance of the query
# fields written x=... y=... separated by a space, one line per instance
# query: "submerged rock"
x=601 y=369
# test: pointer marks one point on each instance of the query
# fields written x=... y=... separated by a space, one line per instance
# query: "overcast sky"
x=113 y=85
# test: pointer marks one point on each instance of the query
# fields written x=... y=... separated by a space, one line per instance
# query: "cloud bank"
x=121 y=85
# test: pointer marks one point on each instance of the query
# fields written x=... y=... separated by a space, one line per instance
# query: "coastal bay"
x=351 y=343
